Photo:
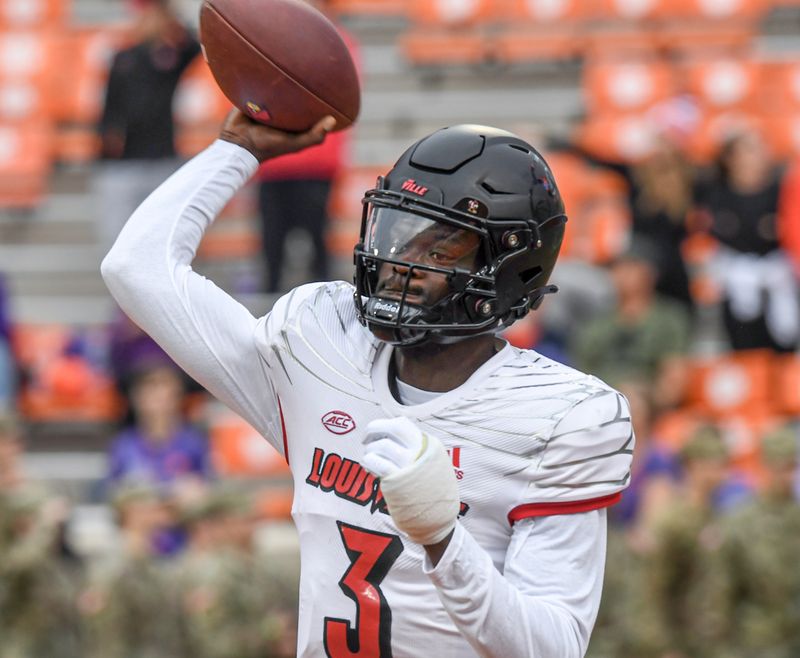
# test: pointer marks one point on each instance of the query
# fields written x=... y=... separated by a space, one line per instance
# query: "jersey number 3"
x=371 y=555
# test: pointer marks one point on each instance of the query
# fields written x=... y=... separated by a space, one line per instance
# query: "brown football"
x=281 y=62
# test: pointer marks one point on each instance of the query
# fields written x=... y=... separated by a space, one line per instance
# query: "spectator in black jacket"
x=137 y=124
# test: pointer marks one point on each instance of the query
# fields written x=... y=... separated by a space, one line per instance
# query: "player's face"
x=414 y=240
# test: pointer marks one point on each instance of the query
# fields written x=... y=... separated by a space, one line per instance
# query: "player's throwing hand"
x=417 y=478
x=265 y=142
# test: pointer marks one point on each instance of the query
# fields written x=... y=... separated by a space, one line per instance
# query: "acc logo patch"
x=338 y=422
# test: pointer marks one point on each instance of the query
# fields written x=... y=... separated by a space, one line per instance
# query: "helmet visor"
x=397 y=236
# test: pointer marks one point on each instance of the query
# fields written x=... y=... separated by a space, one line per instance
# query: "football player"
x=449 y=489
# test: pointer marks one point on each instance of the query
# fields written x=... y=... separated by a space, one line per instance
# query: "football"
x=281 y=62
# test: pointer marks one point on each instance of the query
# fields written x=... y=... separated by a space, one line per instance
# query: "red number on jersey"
x=371 y=555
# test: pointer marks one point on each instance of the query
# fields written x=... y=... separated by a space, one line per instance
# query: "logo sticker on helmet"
x=473 y=207
x=415 y=188
x=338 y=422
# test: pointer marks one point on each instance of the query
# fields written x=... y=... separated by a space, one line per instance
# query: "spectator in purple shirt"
x=159 y=445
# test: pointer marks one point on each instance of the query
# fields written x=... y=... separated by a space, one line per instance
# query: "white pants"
x=119 y=186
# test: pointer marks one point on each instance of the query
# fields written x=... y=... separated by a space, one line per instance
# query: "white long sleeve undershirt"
x=544 y=603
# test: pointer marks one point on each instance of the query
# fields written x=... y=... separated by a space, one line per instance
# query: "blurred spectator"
x=660 y=188
x=532 y=333
x=127 y=606
x=674 y=623
x=617 y=630
x=739 y=206
x=643 y=337
x=654 y=474
x=755 y=591
x=230 y=606
x=129 y=347
x=137 y=125
x=294 y=193
x=585 y=291
x=37 y=615
x=8 y=368
x=159 y=446
x=11 y=448
x=141 y=512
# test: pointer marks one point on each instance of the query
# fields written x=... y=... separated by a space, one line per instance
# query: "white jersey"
x=539 y=450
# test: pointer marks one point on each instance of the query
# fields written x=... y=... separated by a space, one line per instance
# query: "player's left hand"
x=417 y=478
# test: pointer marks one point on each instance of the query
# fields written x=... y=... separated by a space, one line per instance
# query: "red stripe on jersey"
x=283 y=431
x=571 y=507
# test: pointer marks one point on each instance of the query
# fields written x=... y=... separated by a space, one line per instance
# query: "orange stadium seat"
x=716 y=10
x=237 y=449
x=79 y=91
x=597 y=230
x=724 y=83
x=596 y=203
x=370 y=7
x=620 y=85
x=673 y=428
x=29 y=55
x=443 y=47
x=734 y=384
x=23 y=99
x=28 y=70
x=618 y=137
x=609 y=223
x=451 y=12
x=448 y=32
x=36 y=344
x=25 y=163
x=547 y=12
x=61 y=386
x=782 y=133
x=624 y=40
x=32 y=14
x=630 y=10
x=87 y=56
x=697 y=37
x=570 y=171
x=780 y=90
x=530 y=43
x=70 y=390
x=786 y=384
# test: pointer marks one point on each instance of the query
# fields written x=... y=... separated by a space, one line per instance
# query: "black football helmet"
x=477 y=206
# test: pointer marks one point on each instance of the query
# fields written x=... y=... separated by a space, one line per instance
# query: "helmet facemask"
x=404 y=240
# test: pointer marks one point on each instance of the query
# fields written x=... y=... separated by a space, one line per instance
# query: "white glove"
x=417 y=478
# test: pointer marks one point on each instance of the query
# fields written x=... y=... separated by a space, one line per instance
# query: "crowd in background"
x=184 y=575
x=700 y=553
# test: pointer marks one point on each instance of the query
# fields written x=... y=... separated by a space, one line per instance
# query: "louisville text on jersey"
x=348 y=479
